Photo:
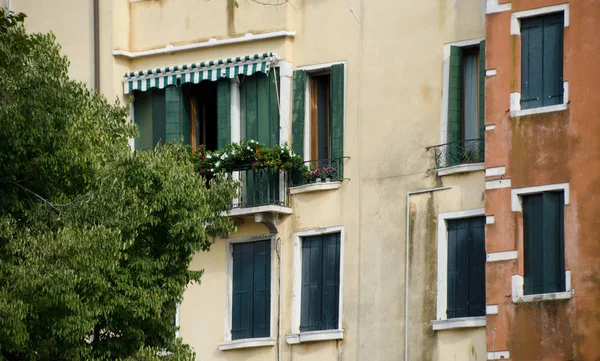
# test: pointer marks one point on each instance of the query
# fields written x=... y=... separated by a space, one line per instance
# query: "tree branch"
x=43 y=200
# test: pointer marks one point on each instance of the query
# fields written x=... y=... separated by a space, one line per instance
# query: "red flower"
x=253 y=164
x=202 y=157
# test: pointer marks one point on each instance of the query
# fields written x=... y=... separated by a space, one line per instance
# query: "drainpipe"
x=96 y=10
x=406 y=262
x=8 y=5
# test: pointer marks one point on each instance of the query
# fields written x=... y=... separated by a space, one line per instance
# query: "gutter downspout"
x=96 y=11
x=8 y=5
x=406 y=262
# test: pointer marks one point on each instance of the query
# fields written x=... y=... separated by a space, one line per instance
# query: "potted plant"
x=314 y=174
x=327 y=173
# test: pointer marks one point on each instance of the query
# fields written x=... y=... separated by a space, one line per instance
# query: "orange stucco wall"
x=537 y=150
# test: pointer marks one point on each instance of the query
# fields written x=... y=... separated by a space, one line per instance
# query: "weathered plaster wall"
x=537 y=150
x=72 y=24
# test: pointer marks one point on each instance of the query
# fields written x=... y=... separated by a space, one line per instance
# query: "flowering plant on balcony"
x=315 y=173
x=245 y=155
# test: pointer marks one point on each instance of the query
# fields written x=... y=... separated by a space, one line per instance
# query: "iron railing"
x=260 y=187
x=459 y=152
x=315 y=171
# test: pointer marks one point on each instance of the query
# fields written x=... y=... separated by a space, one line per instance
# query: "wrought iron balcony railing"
x=315 y=171
x=459 y=152
x=260 y=187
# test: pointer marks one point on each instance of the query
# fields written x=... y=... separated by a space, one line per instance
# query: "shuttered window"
x=542 y=61
x=251 y=311
x=196 y=114
x=326 y=113
x=320 y=282
x=259 y=94
x=543 y=227
x=466 y=267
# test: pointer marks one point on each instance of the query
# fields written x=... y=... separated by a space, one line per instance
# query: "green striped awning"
x=195 y=73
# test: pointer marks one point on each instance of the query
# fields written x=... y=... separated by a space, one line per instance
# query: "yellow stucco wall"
x=394 y=56
x=71 y=22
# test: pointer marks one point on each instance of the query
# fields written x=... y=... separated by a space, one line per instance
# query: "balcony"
x=263 y=194
x=459 y=156
x=316 y=175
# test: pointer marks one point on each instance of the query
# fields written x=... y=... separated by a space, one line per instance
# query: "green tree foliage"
x=95 y=240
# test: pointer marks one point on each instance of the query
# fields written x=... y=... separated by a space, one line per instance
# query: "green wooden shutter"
x=532 y=31
x=243 y=270
x=142 y=105
x=455 y=106
x=331 y=281
x=482 y=89
x=458 y=235
x=476 y=250
x=223 y=113
x=552 y=88
x=262 y=125
x=532 y=243
x=310 y=311
x=173 y=105
x=455 y=95
x=261 y=314
x=543 y=230
x=553 y=265
x=337 y=115
x=251 y=114
x=158 y=116
x=298 y=114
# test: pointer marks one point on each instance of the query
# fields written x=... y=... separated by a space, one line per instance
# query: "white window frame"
x=515 y=29
x=228 y=343
x=443 y=322
x=446 y=84
x=460 y=168
x=296 y=336
x=178 y=319
x=516 y=200
x=312 y=69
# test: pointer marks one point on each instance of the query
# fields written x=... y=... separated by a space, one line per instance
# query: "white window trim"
x=178 y=319
x=515 y=29
x=492 y=6
x=516 y=200
x=446 y=84
x=312 y=69
x=315 y=187
x=461 y=168
x=461 y=322
x=515 y=104
x=516 y=194
x=515 y=18
x=518 y=295
x=249 y=342
x=442 y=256
x=296 y=336
x=246 y=343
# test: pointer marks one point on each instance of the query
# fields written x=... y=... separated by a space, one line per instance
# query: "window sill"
x=315 y=187
x=544 y=297
x=461 y=168
x=454 y=323
x=296 y=338
x=246 y=343
x=259 y=209
x=540 y=110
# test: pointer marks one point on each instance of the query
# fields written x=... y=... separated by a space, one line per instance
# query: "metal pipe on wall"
x=96 y=15
x=406 y=261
